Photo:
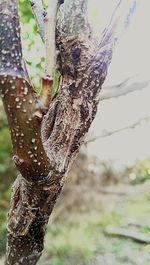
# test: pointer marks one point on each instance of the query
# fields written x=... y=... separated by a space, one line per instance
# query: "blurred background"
x=103 y=213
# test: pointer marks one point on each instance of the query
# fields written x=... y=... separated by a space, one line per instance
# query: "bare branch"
x=127 y=86
x=43 y=155
x=50 y=26
x=24 y=119
x=50 y=56
x=18 y=94
x=110 y=133
x=84 y=67
x=39 y=14
x=46 y=21
x=119 y=22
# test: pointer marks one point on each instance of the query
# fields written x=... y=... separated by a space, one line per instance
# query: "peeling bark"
x=45 y=142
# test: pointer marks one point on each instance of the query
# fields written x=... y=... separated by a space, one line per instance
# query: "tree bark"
x=46 y=142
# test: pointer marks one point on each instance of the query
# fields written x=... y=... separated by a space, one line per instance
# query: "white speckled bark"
x=45 y=142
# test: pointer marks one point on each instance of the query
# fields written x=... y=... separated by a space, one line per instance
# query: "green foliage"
x=2 y=232
x=6 y=170
x=33 y=48
x=25 y=11
x=5 y=147
x=81 y=237
x=77 y=243
x=139 y=172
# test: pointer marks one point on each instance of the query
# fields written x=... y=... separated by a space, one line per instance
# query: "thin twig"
x=50 y=17
x=38 y=12
x=50 y=26
x=123 y=88
x=109 y=133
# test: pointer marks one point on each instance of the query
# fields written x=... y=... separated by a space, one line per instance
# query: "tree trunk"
x=45 y=142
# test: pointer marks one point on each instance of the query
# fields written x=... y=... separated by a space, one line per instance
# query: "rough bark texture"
x=45 y=144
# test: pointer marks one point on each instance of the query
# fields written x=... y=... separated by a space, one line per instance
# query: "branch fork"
x=45 y=144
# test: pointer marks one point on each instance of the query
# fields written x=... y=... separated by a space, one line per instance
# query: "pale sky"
x=131 y=57
x=132 y=54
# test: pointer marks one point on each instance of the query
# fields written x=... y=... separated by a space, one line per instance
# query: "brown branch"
x=24 y=119
x=43 y=153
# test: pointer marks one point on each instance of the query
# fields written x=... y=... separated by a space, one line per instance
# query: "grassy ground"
x=76 y=233
x=77 y=229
